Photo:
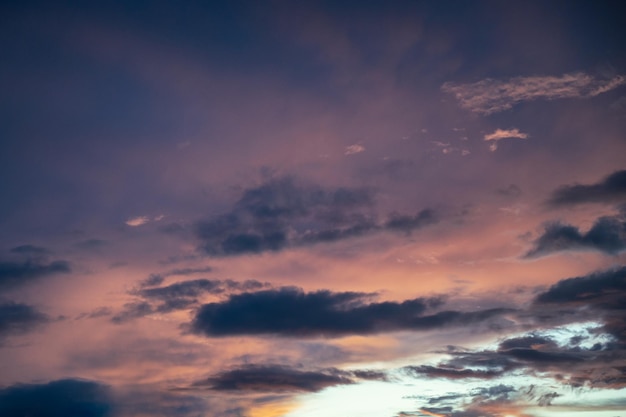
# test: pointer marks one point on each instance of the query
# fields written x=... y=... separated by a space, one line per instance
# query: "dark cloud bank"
x=62 y=398
x=291 y=312
x=282 y=213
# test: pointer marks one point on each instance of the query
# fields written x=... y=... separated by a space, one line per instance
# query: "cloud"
x=275 y=378
x=282 y=214
x=500 y=134
x=30 y=250
x=352 y=149
x=452 y=373
x=491 y=401
x=290 y=312
x=84 y=398
x=579 y=341
x=611 y=189
x=157 y=279
x=267 y=217
x=179 y=296
x=14 y=274
x=607 y=235
x=194 y=288
x=137 y=221
x=491 y=96
x=18 y=318
x=66 y=397
x=587 y=289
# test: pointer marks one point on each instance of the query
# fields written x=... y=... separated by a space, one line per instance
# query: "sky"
x=313 y=208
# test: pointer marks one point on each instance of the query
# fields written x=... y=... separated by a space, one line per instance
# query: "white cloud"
x=137 y=221
x=141 y=220
x=491 y=96
x=352 y=149
x=500 y=134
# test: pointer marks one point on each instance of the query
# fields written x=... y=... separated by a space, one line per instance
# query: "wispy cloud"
x=352 y=149
x=500 y=134
x=491 y=96
x=141 y=220
x=137 y=221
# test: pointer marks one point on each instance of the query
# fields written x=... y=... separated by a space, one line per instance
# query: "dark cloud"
x=601 y=295
x=595 y=289
x=17 y=273
x=62 y=398
x=290 y=312
x=19 y=318
x=282 y=213
x=28 y=263
x=607 y=235
x=275 y=378
x=610 y=190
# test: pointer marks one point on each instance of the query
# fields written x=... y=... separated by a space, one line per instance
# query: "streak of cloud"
x=500 y=134
x=490 y=96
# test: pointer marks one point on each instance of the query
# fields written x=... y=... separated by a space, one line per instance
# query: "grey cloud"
x=611 y=189
x=452 y=373
x=179 y=295
x=282 y=213
x=194 y=288
x=607 y=235
x=157 y=279
x=132 y=311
